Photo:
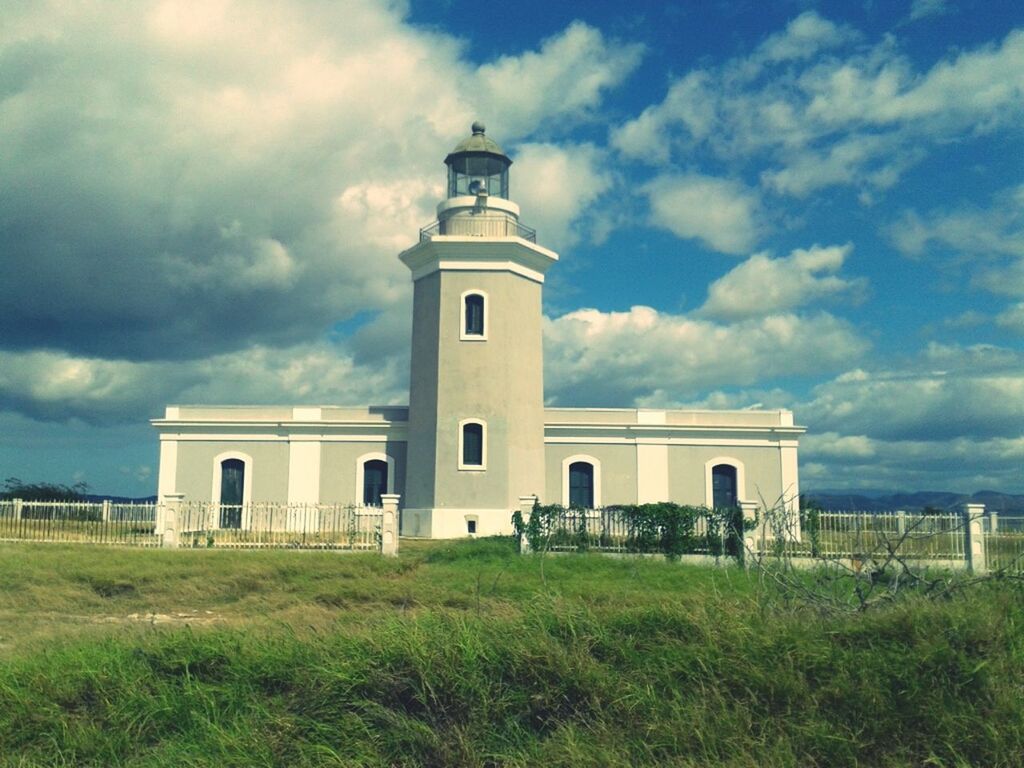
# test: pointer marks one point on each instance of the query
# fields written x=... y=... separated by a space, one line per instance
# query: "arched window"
x=723 y=486
x=232 y=492
x=724 y=482
x=474 y=316
x=581 y=485
x=374 y=476
x=232 y=487
x=472 y=444
x=581 y=481
x=375 y=481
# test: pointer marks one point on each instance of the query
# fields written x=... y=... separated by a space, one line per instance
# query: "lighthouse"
x=476 y=436
x=476 y=390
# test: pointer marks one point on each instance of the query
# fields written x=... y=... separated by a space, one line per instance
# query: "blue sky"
x=817 y=206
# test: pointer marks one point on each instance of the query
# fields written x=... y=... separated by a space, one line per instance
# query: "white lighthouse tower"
x=476 y=394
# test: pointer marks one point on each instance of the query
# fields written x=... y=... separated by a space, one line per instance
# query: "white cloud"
x=877 y=161
x=952 y=393
x=703 y=104
x=57 y=386
x=556 y=187
x=973 y=359
x=949 y=419
x=961 y=465
x=968 y=319
x=973 y=90
x=832 y=445
x=688 y=104
x=763 y=285
x=921 y=9
x=564 y=80
x=854 y=116
x=719 y=399
x=996 y=230
x=978 y=89
x=1004 y=280
x=992 y=237
x=804 y=37
x=722 y=213
x=595 y=358
x=1012 y=318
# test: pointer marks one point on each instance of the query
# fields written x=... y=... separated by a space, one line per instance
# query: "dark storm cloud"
x=189 y=179
x=118 y=241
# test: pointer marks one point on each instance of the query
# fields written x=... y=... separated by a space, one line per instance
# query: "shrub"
x=662 y=527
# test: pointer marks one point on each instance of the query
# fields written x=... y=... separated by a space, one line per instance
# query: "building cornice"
x=672 y=434
x=655 y=430
x=484 y=254
x=277 y=430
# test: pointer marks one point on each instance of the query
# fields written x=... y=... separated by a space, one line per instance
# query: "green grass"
x=466 y=654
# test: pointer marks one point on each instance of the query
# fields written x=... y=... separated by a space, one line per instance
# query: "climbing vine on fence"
x=664 y=527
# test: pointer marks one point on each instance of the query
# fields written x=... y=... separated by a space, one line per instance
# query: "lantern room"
x=478 y=167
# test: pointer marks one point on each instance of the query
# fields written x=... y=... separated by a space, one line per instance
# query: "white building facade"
x=476 y=435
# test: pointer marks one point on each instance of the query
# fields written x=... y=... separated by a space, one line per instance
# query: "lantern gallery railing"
x=479 y=226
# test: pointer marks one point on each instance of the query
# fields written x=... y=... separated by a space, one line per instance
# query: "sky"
x=807 y=205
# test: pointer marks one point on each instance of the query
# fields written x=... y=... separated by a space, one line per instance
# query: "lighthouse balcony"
x=482 y=225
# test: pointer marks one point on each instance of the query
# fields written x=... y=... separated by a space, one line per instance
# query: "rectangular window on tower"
x=473 y=319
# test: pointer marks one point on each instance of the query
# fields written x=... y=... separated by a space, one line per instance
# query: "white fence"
x=966 y=538
x=177 y=523
x=608 y=530
x=307 y=526
x=1004 y=542
x=79 y=522
x=848 y=534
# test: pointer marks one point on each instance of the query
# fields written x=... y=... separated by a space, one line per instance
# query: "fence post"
x=993 y=521
x=526 y=510
x=974 y=538
x=901 y=521
x=171 y=519
x=389 y=524
x=749 y=539
x=17 y=508
x=105 y=514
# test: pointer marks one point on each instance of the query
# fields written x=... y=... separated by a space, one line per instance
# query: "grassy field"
x=467 y=654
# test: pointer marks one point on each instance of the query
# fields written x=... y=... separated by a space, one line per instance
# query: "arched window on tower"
x=232 y=485
x=581 y=485
x=375 y=481
x=473 y=315
x=472 y=444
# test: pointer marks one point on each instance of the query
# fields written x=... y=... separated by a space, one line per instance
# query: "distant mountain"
x=873 y=501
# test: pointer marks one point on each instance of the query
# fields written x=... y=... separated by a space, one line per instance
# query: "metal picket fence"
x=608 y=529
x=962 y=538
x=1004 y=542
x=79 y=522
x=264 y=525
x=933 y=536
x=352 y=527
x=966 y=538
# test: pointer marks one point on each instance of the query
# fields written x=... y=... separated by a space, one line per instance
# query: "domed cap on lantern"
x=478 y=166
